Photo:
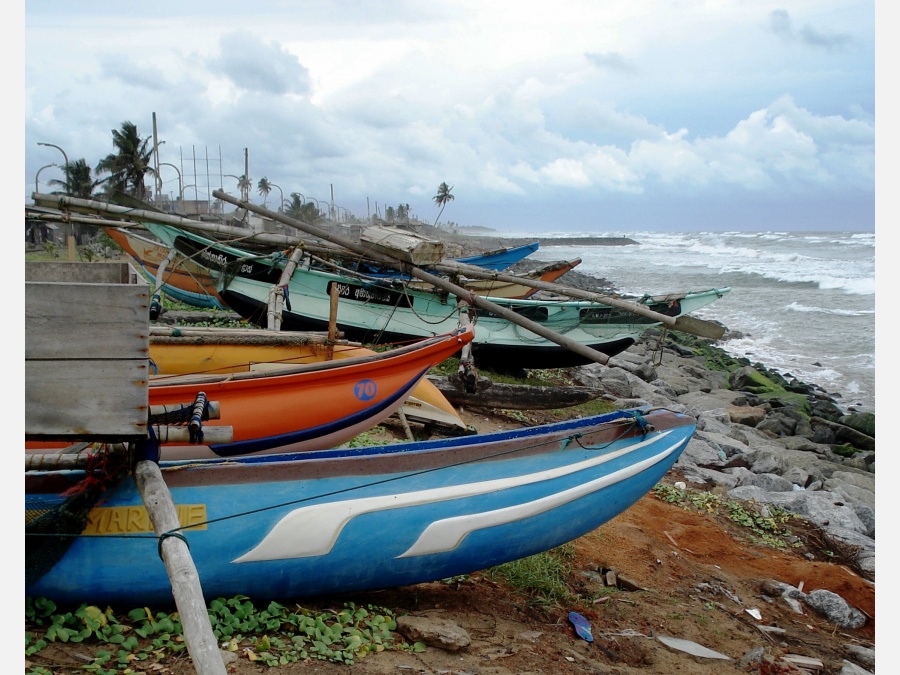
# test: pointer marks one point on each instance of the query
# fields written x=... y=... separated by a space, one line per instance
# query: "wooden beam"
x=198 y=633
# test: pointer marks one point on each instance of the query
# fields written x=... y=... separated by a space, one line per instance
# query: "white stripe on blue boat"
x=313 y=530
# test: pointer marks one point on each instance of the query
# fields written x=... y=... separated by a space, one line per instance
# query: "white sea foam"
x=799 y=298
x=796 y=307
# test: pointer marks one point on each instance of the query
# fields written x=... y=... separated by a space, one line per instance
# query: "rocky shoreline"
x=757 y=446
x=760 y=438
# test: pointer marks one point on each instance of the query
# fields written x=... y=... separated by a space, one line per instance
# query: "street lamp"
x=281 y=192
x=176 y=171
x=243 y=188
x=65 y=156
x=38 y=175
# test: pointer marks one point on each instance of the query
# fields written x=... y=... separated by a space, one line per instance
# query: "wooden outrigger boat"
x=335 y=521
x=386 y=311
x=275 y=406
x=182 y=279
x=283 y=525
x=604 y=309
x=495 y=288
x=185 y=281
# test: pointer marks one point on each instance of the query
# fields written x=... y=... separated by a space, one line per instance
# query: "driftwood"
x=489 y=394
x=176 y=556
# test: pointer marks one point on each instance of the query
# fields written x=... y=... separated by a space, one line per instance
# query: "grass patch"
x=543 y=576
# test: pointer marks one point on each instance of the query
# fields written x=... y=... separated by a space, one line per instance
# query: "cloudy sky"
x=594 y=115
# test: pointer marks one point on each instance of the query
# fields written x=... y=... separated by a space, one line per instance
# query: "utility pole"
x=156 y=162
x=246 y=174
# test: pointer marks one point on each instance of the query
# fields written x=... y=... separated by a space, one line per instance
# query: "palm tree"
x=78 y=181
x=293 y=207
x=129 y=164
x=265 y=187
x=441 y=198
x=244 y=186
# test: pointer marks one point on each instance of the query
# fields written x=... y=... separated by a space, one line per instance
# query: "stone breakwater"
x=765 y=449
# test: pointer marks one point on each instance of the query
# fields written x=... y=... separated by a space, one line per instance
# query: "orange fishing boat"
x=316 y=397
x=493 y=288
x=182 y=279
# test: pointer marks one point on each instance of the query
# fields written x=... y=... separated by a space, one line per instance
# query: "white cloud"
x=576 y=100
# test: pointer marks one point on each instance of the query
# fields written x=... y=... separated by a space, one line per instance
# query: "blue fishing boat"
x=501 y=258
x=349 y=519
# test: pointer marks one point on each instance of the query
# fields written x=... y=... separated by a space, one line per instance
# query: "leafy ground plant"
x=275 y=635
x=768 y=525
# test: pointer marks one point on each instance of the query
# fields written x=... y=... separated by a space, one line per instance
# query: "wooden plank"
x=198 y=633
x=86 y=321
x=86 y=351
x=79 y=400
x=74 y=273
x=406 y=246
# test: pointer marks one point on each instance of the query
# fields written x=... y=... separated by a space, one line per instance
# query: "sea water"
x=803 y=302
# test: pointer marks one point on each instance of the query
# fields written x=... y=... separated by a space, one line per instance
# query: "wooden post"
x=405 y=424
x=276 y=295
x=198 y=634
x=332 y=320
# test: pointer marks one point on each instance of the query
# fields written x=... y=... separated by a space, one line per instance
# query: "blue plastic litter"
x=582 y=626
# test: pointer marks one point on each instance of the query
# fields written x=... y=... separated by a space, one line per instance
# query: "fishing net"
x=50 y=531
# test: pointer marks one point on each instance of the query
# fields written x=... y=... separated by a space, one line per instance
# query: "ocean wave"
x=797 y=307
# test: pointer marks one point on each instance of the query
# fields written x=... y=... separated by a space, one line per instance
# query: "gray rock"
x=778 y=424
x=714 y=421
x=747 y=415
x=434 y=631
x=754 y=657
x=851 y=492
x=867 y=515
x=769 y=482
x=857 y=462
x=717 y=477
x=700 y=451
x=726 y=444
x=865 y=481
x=819 y=508
x=698 y=401
x=803 y=443
x=850 y=668
x=864 y=655
x=612 y=381
x=797 y=476
x=835 y=609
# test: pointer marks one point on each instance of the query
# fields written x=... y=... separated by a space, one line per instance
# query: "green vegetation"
x=274 y=636
x=768 y=525
x=543 y=576
x=367 y=438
